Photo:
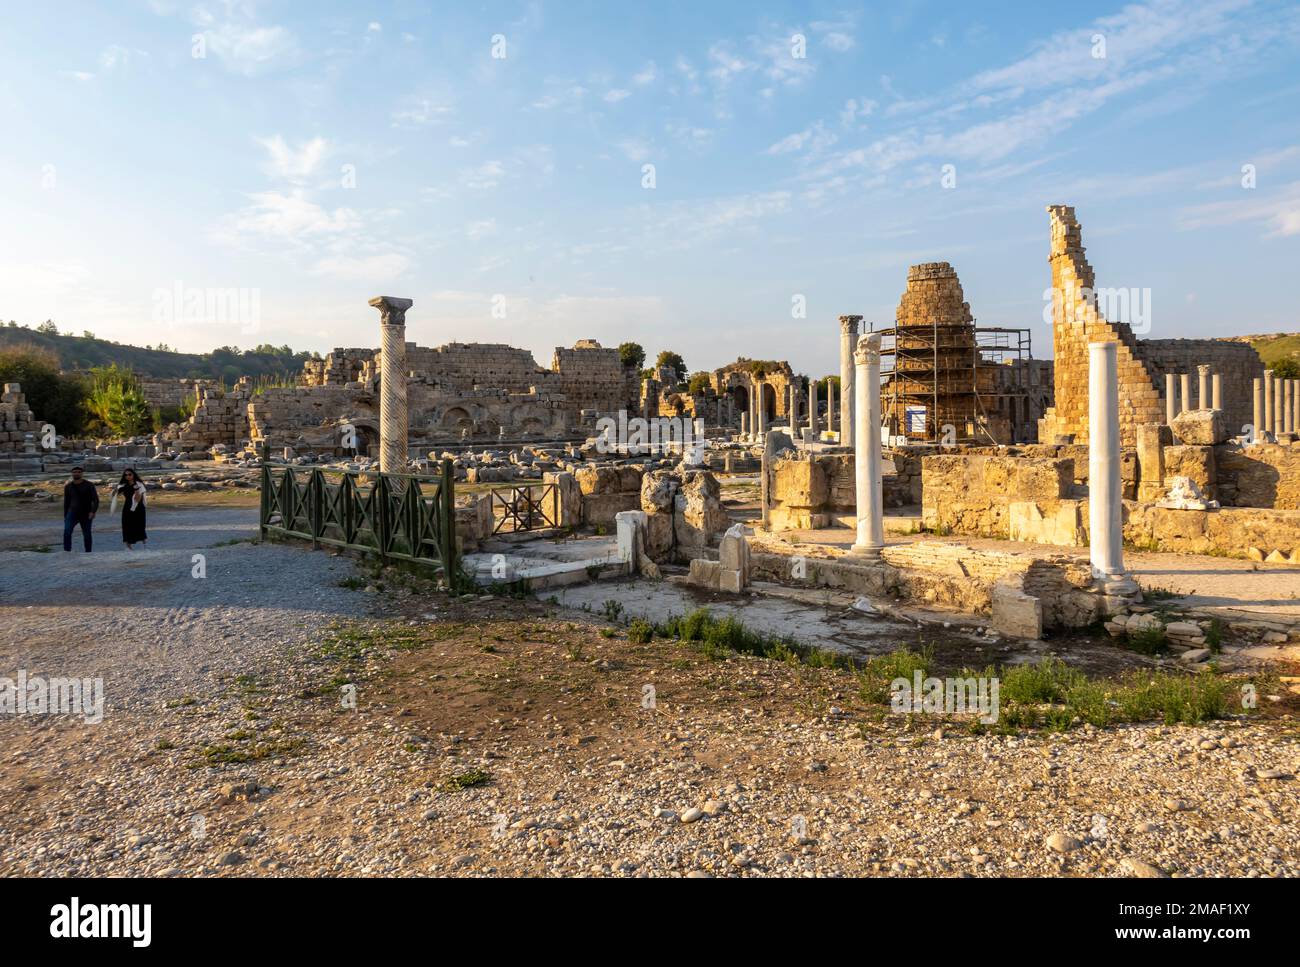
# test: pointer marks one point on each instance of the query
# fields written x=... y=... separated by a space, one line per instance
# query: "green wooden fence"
x=398 y=516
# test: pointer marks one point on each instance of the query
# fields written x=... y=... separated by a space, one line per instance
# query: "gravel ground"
x=228 y=747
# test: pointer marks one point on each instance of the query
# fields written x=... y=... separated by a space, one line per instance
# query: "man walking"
x=80 y=501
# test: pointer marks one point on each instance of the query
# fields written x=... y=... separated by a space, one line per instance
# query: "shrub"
x=640 y=632
x=53 y=397
x=116 y=403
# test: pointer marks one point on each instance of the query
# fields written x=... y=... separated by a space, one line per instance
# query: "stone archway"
x=457 y=419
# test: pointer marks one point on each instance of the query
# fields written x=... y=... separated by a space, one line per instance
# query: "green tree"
x=48 y=326
x=116 y=403
x=631 y=355
x=700 y=384
x=1287 y=368
x=53 y=397
x=673 y=361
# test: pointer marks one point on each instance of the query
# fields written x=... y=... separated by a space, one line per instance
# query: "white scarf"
x=137 y=498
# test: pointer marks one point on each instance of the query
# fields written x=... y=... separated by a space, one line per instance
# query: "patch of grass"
x=1147 y=641
x=718 y=639
x=875 y=675
x=1173 y=698
x=219 y=753
x=1038 y=684
x=612 y=610
x=467 y=780
x=609 y=632
x=353 y=583
x=164 y=745
x=1214 y=636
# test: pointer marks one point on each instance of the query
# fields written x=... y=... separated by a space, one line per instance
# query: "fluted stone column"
x=813 y=422
x=831 y=422
x=1288 y=402
x=1185 y=383
x=848 y=345
x=1105 y=490
x=867 y=457
x=394 y=421
x=1268 y=402
x=794 y=413
x=1216 y=391
x=760 y=415
x=1171 y=398
x=1257 y=413
x=1202 y=387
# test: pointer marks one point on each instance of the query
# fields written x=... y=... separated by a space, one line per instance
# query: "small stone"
x=1142 y=870
x=692 y=815
x=665 y=814
x=714 y=807
x=230 y=859
x=1177 y=805
x=1061 y=843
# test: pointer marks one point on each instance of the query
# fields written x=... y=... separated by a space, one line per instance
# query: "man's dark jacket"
x=80 y=498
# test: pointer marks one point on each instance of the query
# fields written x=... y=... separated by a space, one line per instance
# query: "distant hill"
x=226 y=363
x=1273 y=348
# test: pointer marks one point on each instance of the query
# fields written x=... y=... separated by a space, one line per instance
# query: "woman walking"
x=131 y=490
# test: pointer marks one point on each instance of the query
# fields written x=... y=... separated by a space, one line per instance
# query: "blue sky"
x=322 y=153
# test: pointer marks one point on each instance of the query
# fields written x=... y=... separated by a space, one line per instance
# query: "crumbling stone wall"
x=17 y=421
x=1263 y=475
x=1076 y=322
x=973 y=494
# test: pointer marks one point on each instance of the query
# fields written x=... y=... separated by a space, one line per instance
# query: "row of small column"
x=1178 y=392
x=1276 y=406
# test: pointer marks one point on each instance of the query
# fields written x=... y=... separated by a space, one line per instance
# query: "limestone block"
x=1200 y=427
x=1195 y=462
x=705 y=573
x=659 y=537
x=1059 y=522
x=658 y=490
x=598 y=481
x=699 y=516
x=1016 y=613
x=731 y=581
x=800 y=482
x=734 y=554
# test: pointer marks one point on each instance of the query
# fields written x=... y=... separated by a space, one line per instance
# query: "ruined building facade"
x=1143 y=363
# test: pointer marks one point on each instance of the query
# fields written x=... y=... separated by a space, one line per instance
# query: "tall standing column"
x=867 y=458
x=848 y=344
x=1203 y=387
x=794 y=413
x=1268 y=402
x=830 y=406
x=1257 y=413
x=1171 y=398
x=1288 y=402
x=1216 y=391
x=760 y=412
x=744 y=425
x=813 y=422
x=394 y=421
x=1185 y=383
x=1295 y=406
x=1105 y=492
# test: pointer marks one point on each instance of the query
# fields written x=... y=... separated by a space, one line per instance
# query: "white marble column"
x=760 y=415
x=394 y=420
x=867 y=458
x=1185 y=383
x=813 y=422
x=744 y=426
x=1257 y=413
x=848 y=344
x=1268 y=403
x=1216 y=391
x=1105 y=491
x=830 y=406
x=794 y=413
x=1202 y=387
x=1171 y=398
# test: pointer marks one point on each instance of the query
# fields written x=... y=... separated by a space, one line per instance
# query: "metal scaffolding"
x=941 y=375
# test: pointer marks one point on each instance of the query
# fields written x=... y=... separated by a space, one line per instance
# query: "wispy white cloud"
x=244 y=46
x=296 y=164
x=1278 y=212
